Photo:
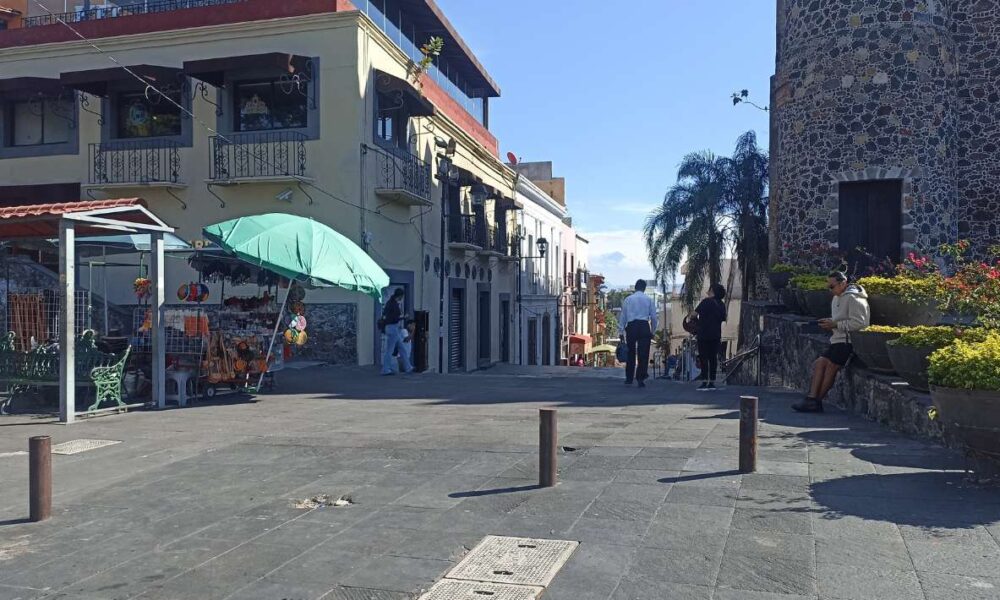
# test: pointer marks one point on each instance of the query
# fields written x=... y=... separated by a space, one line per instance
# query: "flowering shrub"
x=885 y=329
x=786 y=268
x=968 y=365
x=913 y=290
x=975 y=286
x=810 y=283
x=936 y=337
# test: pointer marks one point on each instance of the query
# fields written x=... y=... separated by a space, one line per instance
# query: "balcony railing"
x=135 y=161
x=463 y=229
x=258 y=155
x=124 y=10
x=403 y=176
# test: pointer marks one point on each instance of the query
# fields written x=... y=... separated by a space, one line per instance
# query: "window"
x=268 y=105
x=142 y=115
x=391 y=120
x=40 y=121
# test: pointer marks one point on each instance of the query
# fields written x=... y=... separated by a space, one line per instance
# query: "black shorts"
x=839 y=354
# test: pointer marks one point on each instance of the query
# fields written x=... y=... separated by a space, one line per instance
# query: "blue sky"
x=616 y=99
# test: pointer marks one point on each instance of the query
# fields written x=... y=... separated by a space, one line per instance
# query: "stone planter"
x=892 y=310
x=790 y=297
x=912 y=362
x=972 y=415
x=818 y=303
x=871 y=349
x=779 y=281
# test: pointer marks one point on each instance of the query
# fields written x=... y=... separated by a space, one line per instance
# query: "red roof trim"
x=65 y=208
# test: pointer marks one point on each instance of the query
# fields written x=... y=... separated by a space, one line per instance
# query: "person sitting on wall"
x=850 y=312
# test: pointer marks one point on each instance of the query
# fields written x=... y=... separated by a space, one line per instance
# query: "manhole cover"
x=471 y=590
x=520 y=561
x=78 y=446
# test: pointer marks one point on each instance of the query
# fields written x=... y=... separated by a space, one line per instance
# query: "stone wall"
x=888 y=89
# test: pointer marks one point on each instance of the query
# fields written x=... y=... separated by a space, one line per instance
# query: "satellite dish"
x=512 y=158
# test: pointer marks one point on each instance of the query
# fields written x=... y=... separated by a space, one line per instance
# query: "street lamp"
x=543 y=247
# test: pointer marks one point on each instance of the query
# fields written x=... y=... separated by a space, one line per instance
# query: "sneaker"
x=642 y=383
x=710 y=387
x=702 y=387
x=808 y=405
x=628 y=382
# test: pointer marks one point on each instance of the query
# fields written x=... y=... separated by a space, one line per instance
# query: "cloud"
x=612 y=258
x=619 y=255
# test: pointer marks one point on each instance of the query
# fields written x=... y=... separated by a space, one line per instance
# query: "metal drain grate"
x=520 y=561
x=471 y=590
x=78 y=446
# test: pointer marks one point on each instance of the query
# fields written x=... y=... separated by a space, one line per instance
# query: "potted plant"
x=870 y=346
x=972 y=292
x=781 y=274
x=903 y=300
x=813 y=294
x=910 y=353
x=965 y=389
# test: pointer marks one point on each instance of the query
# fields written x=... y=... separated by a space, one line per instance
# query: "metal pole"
x=67 y=330
x=40 y=478
x=159 y=348
x=444 y=176
x=270 y=348
x=547 y=439
x=748 y=434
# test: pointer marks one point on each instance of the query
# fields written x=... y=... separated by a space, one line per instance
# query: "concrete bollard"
x=748 y=434
x=547 y=448
x=40 y=478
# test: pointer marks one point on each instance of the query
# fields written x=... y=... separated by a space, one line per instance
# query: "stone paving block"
x=679 y=539
x=888 y=552
x=608 y=531
x=323 y=566
x=773 y=467
x=772 y=520
x=627 y=502
x=625 y=451
x=553 y=526
x=271 y=589
x=762 y=574
x=840 y=526
x=13 y=593
x=462 y=520
x=706 y=518
x=657 y=463
x=939 y=586
x=764 y=499
x=977 y=555
x=854 y=583
x=678 y=453
x=403 y=517
x=435 y=545
x=789 y=484
x=702 y=495
x=639 y=588
x=693 y=566
x=720 y=478
x=644 y=477
x=727 y=594
x=770 y=544
x=592 y=573
x=368 y=540
x=397 y=573
x=349 y=593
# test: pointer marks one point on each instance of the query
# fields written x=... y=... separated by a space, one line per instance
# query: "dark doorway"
x=871 y=223
x=505 y=331
x=546 y=340
x=485 y=329
x=533 y=342
x=456 y=330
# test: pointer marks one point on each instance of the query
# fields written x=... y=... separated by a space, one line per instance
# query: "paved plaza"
x=201 y=503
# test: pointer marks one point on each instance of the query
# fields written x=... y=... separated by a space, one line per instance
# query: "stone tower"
x=886 y=124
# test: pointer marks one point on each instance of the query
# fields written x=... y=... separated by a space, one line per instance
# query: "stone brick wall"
x=888 y=89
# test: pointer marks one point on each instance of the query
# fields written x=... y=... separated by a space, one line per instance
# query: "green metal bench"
x=25 y=371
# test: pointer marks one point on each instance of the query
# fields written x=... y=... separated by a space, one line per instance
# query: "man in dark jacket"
x=711 y=316
x=392 y=321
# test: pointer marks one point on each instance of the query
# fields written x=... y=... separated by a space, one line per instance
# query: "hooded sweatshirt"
x=850 y=313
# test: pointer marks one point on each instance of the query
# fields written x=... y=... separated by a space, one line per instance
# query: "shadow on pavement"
x=495 y=492
x=698 y=476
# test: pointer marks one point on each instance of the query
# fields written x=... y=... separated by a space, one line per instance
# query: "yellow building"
x=223 y=108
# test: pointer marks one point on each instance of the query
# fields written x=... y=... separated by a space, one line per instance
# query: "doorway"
x=456 y=330
x=504 y=328
x=485 y=328
x=533 y=342
x=546 y=340
x=871 y=223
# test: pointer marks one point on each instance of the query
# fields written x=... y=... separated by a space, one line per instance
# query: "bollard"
x=748 y=434
x=40 y=478
x=547 y=440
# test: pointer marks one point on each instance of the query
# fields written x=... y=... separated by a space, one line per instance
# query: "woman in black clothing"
x=711 y=315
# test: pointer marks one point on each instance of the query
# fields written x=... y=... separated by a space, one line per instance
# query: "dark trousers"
x=638 y=337
x=708 y=352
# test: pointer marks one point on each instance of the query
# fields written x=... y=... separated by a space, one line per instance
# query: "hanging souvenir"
x=143 y=288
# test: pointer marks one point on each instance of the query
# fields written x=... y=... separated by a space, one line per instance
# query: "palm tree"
x=691 y=224
x=746 y=205
x=718 y=204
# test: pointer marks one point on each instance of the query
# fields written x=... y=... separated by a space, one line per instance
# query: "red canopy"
x=90 y=217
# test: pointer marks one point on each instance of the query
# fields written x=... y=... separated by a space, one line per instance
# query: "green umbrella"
x=300 y=249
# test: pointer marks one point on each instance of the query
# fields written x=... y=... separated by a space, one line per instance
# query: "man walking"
x=637 y=324
x=392 y=321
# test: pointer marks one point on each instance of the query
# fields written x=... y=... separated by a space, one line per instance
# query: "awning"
x=92 y=217
x=416 y=104
x=580 y=339
x=95 y=82
x=30 y=86
x=213 y=70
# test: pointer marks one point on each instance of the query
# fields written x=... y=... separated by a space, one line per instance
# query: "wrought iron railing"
x=463 y=229
x=125 y=10
x=500 y=242
x=135 y=161
x=402 y=171
x=258 y=155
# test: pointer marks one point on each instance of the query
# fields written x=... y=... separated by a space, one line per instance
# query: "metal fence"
x=135 y=161
x=462 y=229
x=125 y=10
x=402 y=171
x=258 y=155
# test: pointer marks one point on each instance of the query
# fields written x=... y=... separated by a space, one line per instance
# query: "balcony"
x=402 y=177
x=135 y=163
x=259 y=157
x=499 y=245
x=464 y=234
x=123 y=10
